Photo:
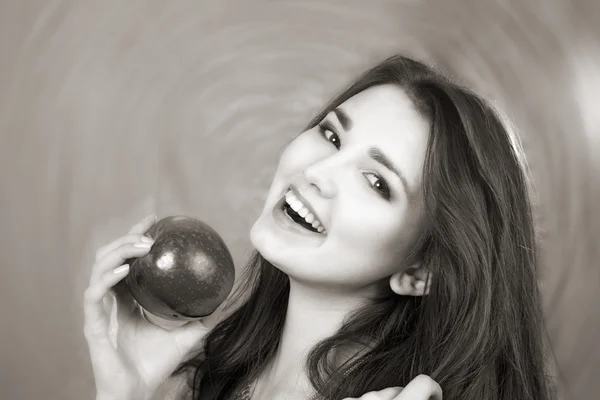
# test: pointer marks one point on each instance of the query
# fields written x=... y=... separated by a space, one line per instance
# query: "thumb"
x=421 y=387
x=389 y=393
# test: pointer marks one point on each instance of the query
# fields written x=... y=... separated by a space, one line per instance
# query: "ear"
x=412 y=281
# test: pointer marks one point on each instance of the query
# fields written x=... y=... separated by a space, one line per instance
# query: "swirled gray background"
x=112 y=109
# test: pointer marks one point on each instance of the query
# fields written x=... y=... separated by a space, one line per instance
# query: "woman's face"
x=358 y=174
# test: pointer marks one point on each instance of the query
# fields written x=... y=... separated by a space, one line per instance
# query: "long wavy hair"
x=480 y=331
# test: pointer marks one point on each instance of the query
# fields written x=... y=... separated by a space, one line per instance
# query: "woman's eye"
x=379 y=185
x=329 y=134
x=376 y=182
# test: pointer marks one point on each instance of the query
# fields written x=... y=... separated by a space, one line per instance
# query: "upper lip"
x=306 y=203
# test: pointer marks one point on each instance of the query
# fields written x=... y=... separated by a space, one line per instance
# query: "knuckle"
x=139 y=227
x=89 y=295
x=95 y=266
x=427 y=382
x=107 y=281
x=122 y=250
x=94 y=294
x=370 y=396
x=127 y=246
x=99 y=252
x=88 y=332
x=133 y=237
x=94 y=334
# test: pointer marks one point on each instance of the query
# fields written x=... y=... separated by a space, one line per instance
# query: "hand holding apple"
x=130 y=357
x=185 y=276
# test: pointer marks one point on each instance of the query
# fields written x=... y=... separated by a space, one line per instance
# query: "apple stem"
x=161 y=322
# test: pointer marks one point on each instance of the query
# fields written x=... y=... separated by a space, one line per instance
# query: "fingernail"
x=146 y=239
x=143 y=245
x=120 y=269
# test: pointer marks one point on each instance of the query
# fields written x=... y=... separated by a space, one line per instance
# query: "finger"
x=117 y=257
x=95 y=317
x=103 y=280
x=126 y=304
x=421 y=387
x=145 y=224
x=129 y=238
x=390 y=393
x=385 y=394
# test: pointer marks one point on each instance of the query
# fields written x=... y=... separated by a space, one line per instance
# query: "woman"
x=396 y=242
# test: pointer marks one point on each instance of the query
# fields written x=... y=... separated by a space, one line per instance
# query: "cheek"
x=301 y=152
x=370 y=241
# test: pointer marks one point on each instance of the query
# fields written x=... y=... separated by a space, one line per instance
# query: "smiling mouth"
x=297 y=212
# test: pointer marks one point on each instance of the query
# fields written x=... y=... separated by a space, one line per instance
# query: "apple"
x=186 y=275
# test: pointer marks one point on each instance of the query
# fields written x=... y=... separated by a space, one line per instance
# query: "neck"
x=313 y=314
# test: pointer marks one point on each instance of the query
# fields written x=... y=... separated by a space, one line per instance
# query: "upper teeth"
x=303 y=211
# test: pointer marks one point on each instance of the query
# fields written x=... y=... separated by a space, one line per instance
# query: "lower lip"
x=290 y=225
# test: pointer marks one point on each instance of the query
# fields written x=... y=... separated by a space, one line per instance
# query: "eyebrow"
x=375 y=153
x=344 y=119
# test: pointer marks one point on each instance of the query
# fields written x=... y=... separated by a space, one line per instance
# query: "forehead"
x=385 y=117
x=388 y=104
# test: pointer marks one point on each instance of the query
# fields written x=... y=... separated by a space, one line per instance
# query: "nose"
x=316 y=175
